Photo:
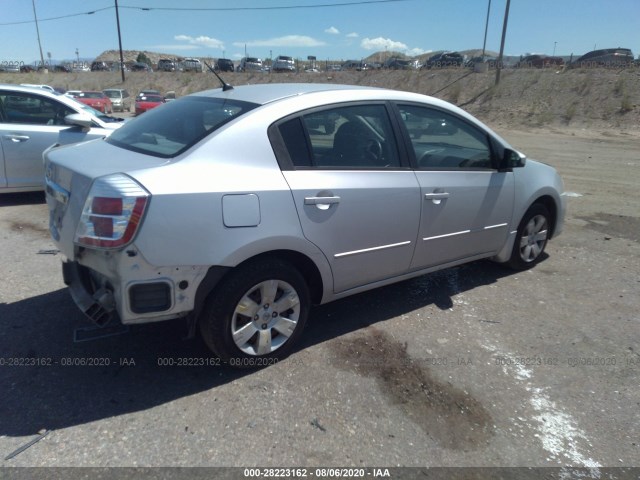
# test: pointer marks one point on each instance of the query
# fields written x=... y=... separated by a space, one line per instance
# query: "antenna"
x=225 y=85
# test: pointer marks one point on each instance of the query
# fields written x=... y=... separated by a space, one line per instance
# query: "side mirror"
x=79 y=120
x=512 y=159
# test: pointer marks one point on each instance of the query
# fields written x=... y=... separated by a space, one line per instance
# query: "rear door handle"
x=17 y=138
x=436 y=196
x=322 y=203
x=321 y=200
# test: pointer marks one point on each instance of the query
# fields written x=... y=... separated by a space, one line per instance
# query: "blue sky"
x=336 y=32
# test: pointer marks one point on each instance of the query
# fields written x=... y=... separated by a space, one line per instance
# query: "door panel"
x=466 y=203
x=366 y=227
x=463 y=214
x=23 y=146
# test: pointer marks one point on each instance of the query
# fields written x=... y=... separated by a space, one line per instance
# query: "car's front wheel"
x=256 y=314
x=531 y=238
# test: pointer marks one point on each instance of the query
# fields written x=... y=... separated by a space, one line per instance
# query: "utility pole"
x=504 y=34
x=120 y=41
x=35 y=16
x=486 y=29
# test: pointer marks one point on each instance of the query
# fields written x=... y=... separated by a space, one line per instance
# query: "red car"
x=97 y=100
x=147 y=102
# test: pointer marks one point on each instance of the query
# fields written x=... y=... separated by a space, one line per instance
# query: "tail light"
x=112 y=212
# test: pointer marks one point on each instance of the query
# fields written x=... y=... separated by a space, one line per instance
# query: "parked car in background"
x=96 y=100
x=146 y=92
x=72 y=93
x=192 y=65
x=60 y=69
x=166 y=65
x=99 y=67
x=539 y=61
x=606 y=57
x=117 y=66
x=444 y=60
x=33 y=119
x=489 y=60
x=224 y=65
x=238 y=210
x=120 y=99
x=396 y=63
x=44 y=87
x=250 y=64
x=358 y=65
x=140 y=67
x=11 y=67
x=147 y=102
x=283 y=63
x=80 y=67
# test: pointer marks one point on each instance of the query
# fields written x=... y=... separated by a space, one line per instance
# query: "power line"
x=210 y=9
x=277 y=7
x=59 y=17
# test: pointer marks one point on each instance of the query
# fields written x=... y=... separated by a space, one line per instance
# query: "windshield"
x=112 y=93
x=170 y=130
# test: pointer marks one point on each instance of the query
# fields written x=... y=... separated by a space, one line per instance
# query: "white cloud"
x=201 y=41
x=286 y=41
x=380 y=43
x=332 y=31
x=352 y=35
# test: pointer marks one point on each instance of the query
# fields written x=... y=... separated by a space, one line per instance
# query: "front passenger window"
x=444 y=142
x=25 y=108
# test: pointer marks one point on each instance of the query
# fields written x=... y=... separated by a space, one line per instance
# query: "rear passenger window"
x=444 y=142
x=350 y=137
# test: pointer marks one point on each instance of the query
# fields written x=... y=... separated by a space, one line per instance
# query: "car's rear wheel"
x=531 y=238
x=256 y=314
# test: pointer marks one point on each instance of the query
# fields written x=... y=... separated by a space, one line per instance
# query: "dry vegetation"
x=580 y=98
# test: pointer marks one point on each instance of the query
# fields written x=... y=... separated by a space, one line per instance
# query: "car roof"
x=271 y=92
x=29 y=88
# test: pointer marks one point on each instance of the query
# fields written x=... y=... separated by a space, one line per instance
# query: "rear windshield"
x=171 y=129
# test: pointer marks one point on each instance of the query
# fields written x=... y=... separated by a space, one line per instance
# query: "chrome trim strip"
x=446 y=235
x=373 y=249
x=495 y=226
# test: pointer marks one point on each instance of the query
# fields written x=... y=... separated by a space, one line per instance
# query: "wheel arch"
x=550 y=204
x=216 y=274
x=303 y=263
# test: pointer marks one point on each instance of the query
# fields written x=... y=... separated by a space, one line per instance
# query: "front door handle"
x=17 y=138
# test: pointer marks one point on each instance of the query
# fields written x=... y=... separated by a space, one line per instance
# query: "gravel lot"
x=472 y=366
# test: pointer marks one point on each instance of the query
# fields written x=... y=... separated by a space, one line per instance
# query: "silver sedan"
x=239 y=208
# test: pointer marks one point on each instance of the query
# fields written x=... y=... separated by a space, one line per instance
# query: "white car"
x=31 y=120
x=239 y=208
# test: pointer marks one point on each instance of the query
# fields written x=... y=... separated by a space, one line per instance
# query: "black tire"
x=531 y=238
x=268 y=329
